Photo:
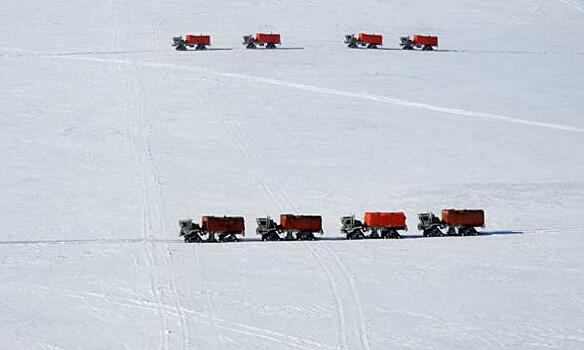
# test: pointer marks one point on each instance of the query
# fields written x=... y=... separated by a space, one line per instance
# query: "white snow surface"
x=108 y=136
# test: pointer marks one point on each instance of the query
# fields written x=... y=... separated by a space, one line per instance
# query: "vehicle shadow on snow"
x=209 y=49
x=504 y=232
x=290 y=48
x=276 y=49
x=241 y=240
x=418 y=236
x=402 y=50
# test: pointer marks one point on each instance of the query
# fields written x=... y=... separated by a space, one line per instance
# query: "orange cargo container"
x=374 y=39
x=425 y=40
x=472 y=218
x=395 y=220
x=264 y=38
x=308 y=223
x=198 y=39
x=224 y=224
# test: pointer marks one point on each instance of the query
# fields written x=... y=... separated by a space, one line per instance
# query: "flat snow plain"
x=108 y=137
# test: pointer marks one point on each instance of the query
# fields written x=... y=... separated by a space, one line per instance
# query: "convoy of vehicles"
x=386 y=225
x=270 y=40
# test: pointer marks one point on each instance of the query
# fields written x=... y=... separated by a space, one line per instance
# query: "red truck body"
x=308 y=223
x=395 y=220
x=264 y=38
x=198 y=39
x=466 y=217
x=224 y=224
x=425 y=40
x=374 y=39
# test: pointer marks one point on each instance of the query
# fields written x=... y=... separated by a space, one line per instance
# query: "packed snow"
x=109 y=136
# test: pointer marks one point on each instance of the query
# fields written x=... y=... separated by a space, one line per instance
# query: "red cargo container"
x=471 y=218
x=395 y=220
x=372 y=39
x=198 y=39
x=425 y=40
x=263 y=38
x=224 y=224
x=308 y=223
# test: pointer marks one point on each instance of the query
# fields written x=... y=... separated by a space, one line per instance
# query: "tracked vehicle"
x=456 y=222
x=374 y=225
x=199 y=42
x=291 y=227
x=212 y=229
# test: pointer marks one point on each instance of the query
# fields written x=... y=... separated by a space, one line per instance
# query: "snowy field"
x=108 y=136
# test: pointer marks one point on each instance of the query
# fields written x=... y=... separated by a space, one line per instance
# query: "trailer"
x=252 y=41
x=425 y=42
x=291 y=227
x=456 y=222
x=375 y=225
x=212 y=229
x=199 y=42
x=370 y=41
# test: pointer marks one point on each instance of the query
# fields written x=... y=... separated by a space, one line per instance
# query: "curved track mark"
x=327 y=91
x=575 y=5
x=141 y=152
x=358 y=303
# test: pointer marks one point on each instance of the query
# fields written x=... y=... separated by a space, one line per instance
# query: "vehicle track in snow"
x=269 y=182
x=134 y=114
x=155 y=32
x=340 y=302
x=263 y=171
x=258 y=168
x=206 y=295
x=456 y=112
x=340 y=309
x=154 y=208
x=358 y=303
x=198 y=316
x=335 y=273
x=142 y=157
x=575 y=4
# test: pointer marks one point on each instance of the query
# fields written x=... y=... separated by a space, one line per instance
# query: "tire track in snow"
x=266 y=173
x=322 y=262
x=575 y=5
x=155 y=33
x=335 y=290
x=399 y=102
x=140 y=151
x=266 y=170
x=354 y=297
x=135 y=131
x=177 y=300
x=239 y=139
x=334 y=92
x=206 y=294
x=201 y=317
x=362 y=325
